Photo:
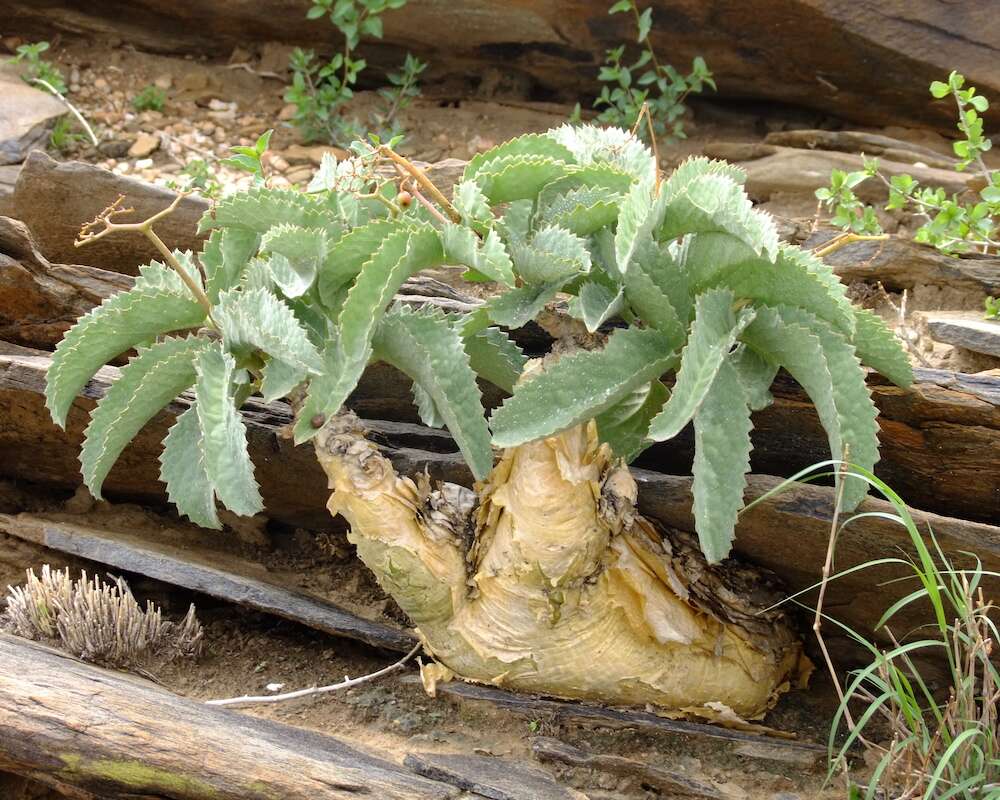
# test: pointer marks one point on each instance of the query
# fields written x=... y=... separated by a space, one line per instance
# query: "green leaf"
x=939 y=89
x=519 y=306
x=715 y=203
x=488 y=257
x=494 y=357
x=553 y=255
x=879 y=348
x=695 y=167
x=279 y=378
x=714 y=332
x=257 y=320
x=402 y=254
x=582 y=211
x=580 y=386
x=646 y=286
x=224 y=440
x=794 y=279
x=224 y=258
x=825 y=365
x=639 y=214
x=595 y=303
x=756 y=374
x=348 y=254
x=517 y=177
x=531 y=145
x=625 y=425
x=608 y=177
x=721 y=460
x=593 y=144
x=426 y=409
x=182 y=469
x=259 y=210
x=471 y=203
x=302 y=252
x=427 y=347
x=159 y=303
x=150 y=381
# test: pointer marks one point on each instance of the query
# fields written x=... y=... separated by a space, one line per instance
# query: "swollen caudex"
x=566 y=590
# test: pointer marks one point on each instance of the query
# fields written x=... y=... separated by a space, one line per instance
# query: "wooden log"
x=219 y=575
x=121 y=737
x=787 y=534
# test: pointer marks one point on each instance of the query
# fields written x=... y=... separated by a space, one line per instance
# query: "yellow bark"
x=565 y=589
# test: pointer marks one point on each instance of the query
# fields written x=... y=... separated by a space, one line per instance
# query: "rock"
x=864 y=60
x=194 y=81
x=287 y=112
x=164 y=82
x=301 y=174
x=773 y=170
x=55 y=198
x=274 y=57
x=962 y=329
x=116 y=148
x=8 y=178
x=27 y=115
x=301 y=154
x=39 y=300
x=869 y=144
x=144 y=145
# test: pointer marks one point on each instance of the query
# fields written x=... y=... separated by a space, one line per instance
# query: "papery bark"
x=547 y=580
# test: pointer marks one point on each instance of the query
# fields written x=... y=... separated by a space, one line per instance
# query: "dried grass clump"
x=97 y=621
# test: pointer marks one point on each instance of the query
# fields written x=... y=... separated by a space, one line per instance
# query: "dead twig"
x=89 y=233
x=344 y=684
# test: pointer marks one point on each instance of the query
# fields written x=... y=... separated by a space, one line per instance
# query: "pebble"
x=287 y=112
x=164 y=82
x=144 y=163
x=145 y=144
x=101 y=84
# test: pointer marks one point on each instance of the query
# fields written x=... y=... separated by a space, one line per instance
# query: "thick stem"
x=569 y=592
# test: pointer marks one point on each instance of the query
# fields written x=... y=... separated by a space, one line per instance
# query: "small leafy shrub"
x=647 y=82
x=319 y=90
x=37 y=68
x=150 y=98
x=198 y=176
x=993 y=307
x=96 y=621
x=953 y=225
x=62 y=139
x=397 y=97
x=292 y=296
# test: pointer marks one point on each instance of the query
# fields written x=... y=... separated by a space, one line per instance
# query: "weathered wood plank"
x=674 y=784
x=495 y=778
x=565 y=710
x=235 y=583
x=118 y=736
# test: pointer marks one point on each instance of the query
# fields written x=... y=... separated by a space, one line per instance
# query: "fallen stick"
x=121 y=737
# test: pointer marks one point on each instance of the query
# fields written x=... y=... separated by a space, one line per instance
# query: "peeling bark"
x=565 y=590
